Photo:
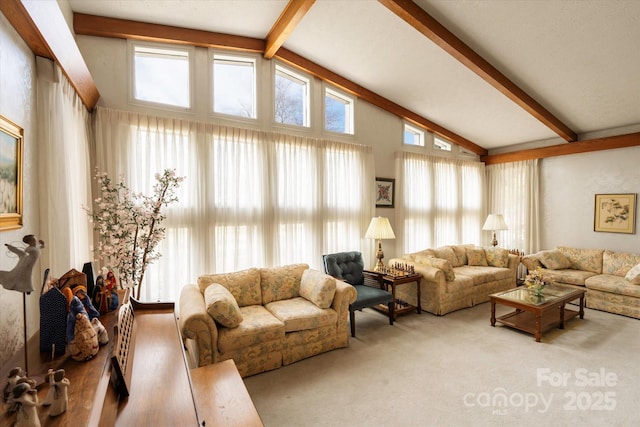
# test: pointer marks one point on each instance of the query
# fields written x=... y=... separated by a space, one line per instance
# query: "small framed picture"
x=385 y=192
x=615 y=213
x=11 y=146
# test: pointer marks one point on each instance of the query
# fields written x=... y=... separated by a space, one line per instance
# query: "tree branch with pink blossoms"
x=130 y=225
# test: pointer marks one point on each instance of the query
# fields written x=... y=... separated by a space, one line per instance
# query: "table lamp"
x=379 y=228
x=494 y=222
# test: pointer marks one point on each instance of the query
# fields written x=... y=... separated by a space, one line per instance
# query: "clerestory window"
x=234 y=86
x=161 y=75
x=291 y=103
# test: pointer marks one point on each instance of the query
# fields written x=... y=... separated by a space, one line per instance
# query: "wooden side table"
x=385 y=281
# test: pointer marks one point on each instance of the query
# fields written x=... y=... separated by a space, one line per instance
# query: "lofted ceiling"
x=577 y=61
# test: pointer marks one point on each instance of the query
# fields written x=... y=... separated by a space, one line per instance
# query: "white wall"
x=17 y=103
x=568 y=188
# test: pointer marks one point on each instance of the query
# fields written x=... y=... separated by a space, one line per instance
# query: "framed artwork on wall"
x=615 y=213
x=385 y=192
x=11 y=146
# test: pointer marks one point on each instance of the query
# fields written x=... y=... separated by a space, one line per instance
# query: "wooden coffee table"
x=535 y=314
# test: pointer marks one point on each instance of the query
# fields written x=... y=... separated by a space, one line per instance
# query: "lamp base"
x=494 y=242
x=380 y=255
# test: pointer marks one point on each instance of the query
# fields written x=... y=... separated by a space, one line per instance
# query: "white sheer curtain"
x=250 y=198
x=440 y=201
x=65 y=174
x=513 y=191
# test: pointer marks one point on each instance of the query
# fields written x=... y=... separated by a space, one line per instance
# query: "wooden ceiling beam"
x=446 y=40
x=91 y=25
x=320 y=72
x=43 y=27
x=596 y=144
x=286 y=23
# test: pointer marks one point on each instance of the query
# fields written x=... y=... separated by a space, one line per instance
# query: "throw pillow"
x=554 y=260
x=531 y=262
x=317 y=287
x=461 y=254
x=633 y=275
x=476 y=256
x=440 y=263
x=222 y=306
x=497 y=257
x=446 y=252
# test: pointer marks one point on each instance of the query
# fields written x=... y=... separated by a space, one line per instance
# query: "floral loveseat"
x=612 y=278
x=264 y=318
x=458 y=276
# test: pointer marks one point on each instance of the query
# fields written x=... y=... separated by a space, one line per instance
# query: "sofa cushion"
x=318 y=287
x=258 y=326
x=299 y=314
x=497 y=257
x=440 y=263
x=612 y=284
x=278 y=283
x=554 y=260
x=633 y=275
x=222 y=306
x=446 y=252
x=244 y=285
x=618 y=263
x=584 y=259
x=476 y=256
x=481 y=274
x=572 y=277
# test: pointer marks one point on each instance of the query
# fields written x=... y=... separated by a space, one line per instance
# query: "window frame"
x=438 y=139
x=307 y=107
x=416 y=131
x=229 y=55
x=350 y=115
x=189 y=50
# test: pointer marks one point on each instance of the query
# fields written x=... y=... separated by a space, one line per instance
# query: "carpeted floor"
x=457 y=370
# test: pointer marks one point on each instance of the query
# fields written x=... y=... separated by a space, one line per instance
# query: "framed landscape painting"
x=11 y=146
x=385 y=192
x=615 y=213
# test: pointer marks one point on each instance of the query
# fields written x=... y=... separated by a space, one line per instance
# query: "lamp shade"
x=495 y=222
x=379 y=228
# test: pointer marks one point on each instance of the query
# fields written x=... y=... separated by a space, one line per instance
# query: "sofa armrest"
x=344 y=296
x=197 y=324
x=514 y=262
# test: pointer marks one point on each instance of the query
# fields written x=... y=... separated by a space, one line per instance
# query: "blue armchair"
x=348 y=266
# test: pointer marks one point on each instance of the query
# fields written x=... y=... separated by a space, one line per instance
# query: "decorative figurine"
x=112 y=286
x=101 y=331
x=19 y=279
x=82 y=338
x=26 y=397
x=48 y=399
x=60 y=395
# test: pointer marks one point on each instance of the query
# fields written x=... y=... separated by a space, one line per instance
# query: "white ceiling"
x=580 y=59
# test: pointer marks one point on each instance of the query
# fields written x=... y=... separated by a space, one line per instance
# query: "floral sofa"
x=612 y=278
x=458 y=276
x=264 y=318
